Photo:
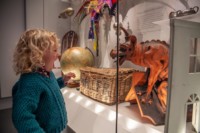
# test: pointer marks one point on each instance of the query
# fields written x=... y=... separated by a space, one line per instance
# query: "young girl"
x=38 y=105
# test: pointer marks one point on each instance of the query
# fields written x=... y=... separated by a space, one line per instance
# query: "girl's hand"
x=68 y=76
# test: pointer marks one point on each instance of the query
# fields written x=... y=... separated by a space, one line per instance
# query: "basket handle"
x=128 y=76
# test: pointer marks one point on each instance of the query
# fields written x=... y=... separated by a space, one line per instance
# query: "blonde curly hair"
x=30 y=49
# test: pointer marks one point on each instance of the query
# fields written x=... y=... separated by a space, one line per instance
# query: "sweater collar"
x=42 y=71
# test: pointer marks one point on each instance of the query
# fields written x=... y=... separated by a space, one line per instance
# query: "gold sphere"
x=74 y=58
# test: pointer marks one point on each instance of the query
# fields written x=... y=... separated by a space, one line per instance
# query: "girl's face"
x=50 y=56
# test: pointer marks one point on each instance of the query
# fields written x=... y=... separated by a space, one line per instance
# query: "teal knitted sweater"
x=38 y=105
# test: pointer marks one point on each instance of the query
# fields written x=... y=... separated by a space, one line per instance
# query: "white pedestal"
x=88 y=116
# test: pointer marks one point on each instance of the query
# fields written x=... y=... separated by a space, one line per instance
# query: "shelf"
x=88 y=116
x=192 y=18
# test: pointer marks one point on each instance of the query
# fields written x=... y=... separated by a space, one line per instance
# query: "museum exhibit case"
x=146 y=39
x=142 y=58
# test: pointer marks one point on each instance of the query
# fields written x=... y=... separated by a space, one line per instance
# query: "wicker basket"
x=100 y=83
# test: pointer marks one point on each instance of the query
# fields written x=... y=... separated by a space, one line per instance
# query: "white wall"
x=11 y=26
x=44 y=14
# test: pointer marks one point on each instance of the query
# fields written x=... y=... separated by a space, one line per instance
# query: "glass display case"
x=147 y=21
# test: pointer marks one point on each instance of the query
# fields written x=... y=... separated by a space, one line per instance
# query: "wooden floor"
x=6 y=125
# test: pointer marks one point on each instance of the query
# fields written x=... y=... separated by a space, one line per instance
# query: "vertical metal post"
x=117 y=73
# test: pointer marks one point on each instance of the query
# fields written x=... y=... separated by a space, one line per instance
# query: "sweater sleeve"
x=60 y=82
x=25 y=102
